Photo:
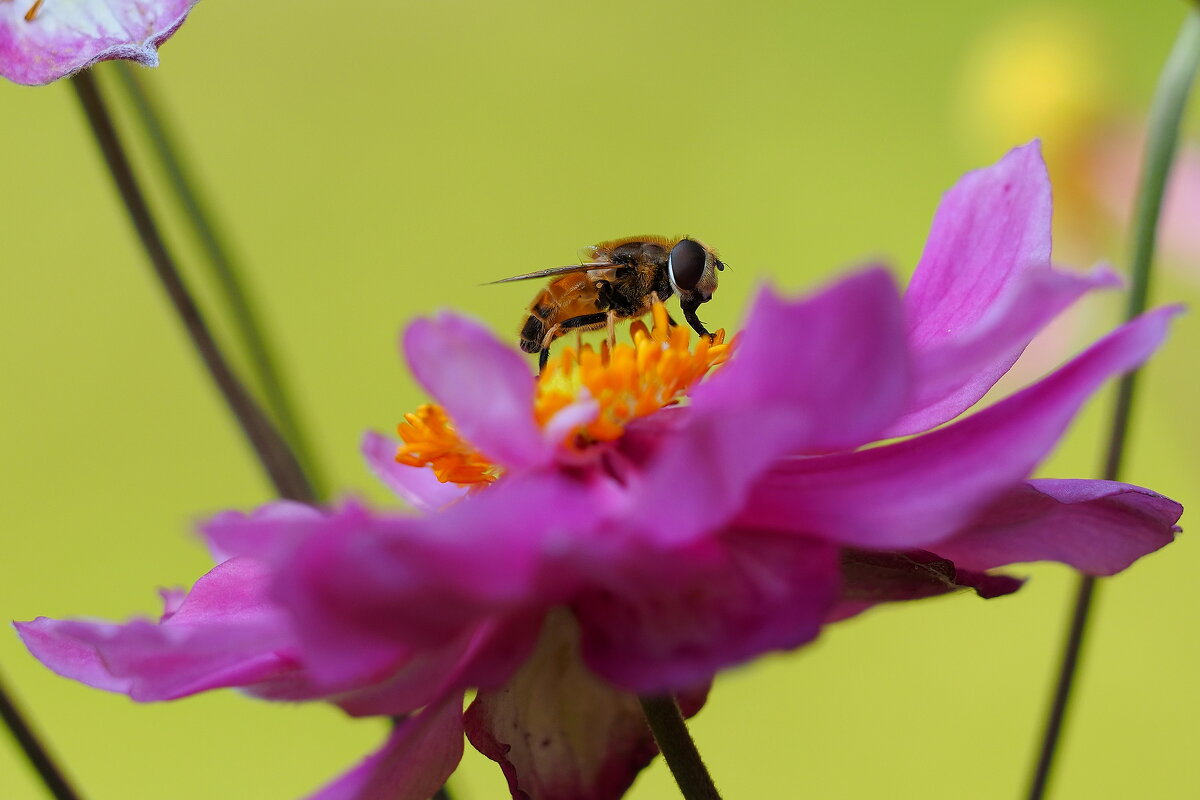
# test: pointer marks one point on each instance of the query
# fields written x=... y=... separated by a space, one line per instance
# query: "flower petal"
x=417 y=487
x=414 y=762
x=40 y=43
x=677 y=618
x=485 y=386
x=560 y=733
x=871 y=577
x=263 y=535
x=990 y=231
x=839 y=389
x=1098 y=527
x=835 y=360
x=992 y=226
x=920 y=491
x=951 y=375
x=366 y=590
x=224 y=634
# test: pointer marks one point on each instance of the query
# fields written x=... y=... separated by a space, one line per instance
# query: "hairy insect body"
x=618 y=280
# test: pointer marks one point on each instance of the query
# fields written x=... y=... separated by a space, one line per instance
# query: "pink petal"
x=812 y=375
x=835 y=361
x=367 y=591
x=263 y=535
x=921 y=490
x=224 y=634
x=419 y=755
x=991 y=230
x=557 y=731
x=951 y=375
x=65 y=36
x=417 y=487
x=1098 y=527
x=485 y=387
x=677 y=618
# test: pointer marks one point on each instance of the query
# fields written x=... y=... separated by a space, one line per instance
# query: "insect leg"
x=612 y=329
x=689 y=313
x=582 y=321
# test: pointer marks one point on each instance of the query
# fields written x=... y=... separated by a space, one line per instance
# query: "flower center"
x=624 y=381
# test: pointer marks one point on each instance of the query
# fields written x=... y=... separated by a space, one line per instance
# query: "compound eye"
x=686 y=264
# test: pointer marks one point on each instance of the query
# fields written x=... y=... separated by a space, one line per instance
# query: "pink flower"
x=596 y=540
x=44 y=40
x=1115 y=162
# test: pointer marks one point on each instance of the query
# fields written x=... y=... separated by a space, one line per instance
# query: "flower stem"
x=1166 y=111
x=277 y=458
x=678 y=749
x=225 y=269
x=39 y=758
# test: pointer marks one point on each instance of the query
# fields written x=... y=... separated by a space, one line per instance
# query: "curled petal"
x=677 y=619
x=920 y=491
x=990 y=233
x=951 y=375
x=225 y=633
x=418 y=487
x=485 y=386
x=414 y=762
x=990 y=228
x=41 y=42
x=1098 y=527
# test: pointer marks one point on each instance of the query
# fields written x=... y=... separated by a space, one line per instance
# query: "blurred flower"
x=587 y=537
x=1046 y=71
x=44 y=40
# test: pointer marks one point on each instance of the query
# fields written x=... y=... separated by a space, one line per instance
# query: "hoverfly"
x=618 y=280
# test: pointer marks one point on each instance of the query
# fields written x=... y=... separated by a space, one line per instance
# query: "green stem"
x=678 y=749
x=1166 y=113
x=226 y=271
x=35 y=752
x=272 y=450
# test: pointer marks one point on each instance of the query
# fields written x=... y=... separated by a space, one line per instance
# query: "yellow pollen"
x=431 y=441
x=625 y=381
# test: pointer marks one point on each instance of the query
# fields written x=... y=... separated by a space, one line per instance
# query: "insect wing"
x=551 y=271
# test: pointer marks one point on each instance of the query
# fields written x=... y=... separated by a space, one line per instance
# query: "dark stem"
x=678 y=749
x=225 y=269
x=276 y=457
x=1166 y=112
x=1072 y=649
x=56 y=782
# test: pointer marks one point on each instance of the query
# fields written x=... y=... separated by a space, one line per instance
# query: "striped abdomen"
x=566 y=298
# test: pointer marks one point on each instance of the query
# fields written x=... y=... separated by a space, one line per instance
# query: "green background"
x=374 y=161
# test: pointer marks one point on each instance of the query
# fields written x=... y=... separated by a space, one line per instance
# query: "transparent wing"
x=550 y=271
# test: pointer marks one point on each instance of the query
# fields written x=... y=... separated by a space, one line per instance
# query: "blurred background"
x=372 y=162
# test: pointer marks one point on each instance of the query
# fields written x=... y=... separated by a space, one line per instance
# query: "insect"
x=618 y=280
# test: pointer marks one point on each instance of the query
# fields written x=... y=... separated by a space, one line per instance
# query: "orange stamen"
x=33 y=10
x=431 y=441
x=625 y=381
